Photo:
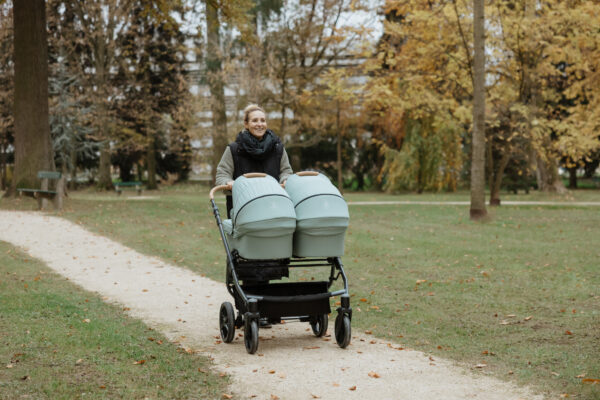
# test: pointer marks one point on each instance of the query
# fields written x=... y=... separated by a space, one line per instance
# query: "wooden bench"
x=119 y=186
x=44 y=192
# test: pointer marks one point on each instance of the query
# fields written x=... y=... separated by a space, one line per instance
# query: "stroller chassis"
x=303 y=301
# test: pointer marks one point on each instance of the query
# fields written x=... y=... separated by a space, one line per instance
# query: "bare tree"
x=478 y=209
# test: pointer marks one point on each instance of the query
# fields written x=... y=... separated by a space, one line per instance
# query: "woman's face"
x=256 y=124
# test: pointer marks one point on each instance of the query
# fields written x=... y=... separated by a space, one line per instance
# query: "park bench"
x=44 y=192
x=119 y=186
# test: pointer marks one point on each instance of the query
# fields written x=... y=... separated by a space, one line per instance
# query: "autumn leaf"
x=87 y=321
x=226 y=396
x=352 y=388
x=273 y=397
x=374 y=375
x=140 y=362
x=568 y=333
x=591 y=381
x=272 y=371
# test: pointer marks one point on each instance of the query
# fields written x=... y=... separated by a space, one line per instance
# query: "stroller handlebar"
x=255 y=175
x=216 y=189
x=307 y=173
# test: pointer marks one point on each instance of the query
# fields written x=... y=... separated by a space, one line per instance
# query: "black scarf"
x=255 y=148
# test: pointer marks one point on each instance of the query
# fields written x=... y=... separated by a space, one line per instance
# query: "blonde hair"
x=251 y=108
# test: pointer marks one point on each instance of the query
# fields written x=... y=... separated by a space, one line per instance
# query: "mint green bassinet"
x=262 y=219
x=321 y=216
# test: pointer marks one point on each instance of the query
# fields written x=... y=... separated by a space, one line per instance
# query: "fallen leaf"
x=581 y=375
x=144 y=290
x=273 y=397
x=555 y=373
x=480 y=365
x=226 y=396
x=374 y=375
x=592 y=381
x=369 y=332
x=9 y=366
x=528 y=318
x=79 y=361
x=568 y=333
x=202 y=371
x=314 y=396
x=87 y=321
x=102 y=387
x=139 y=362
x=363 y=300
x=272 y=371
x=510 y=316
x=311 y=347
x=352 y=388
x=336 y=384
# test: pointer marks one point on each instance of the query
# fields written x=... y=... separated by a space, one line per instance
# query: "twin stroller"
x=271 y=230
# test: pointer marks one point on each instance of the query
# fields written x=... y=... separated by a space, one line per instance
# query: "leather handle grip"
x=216 y=189
x=255 y=175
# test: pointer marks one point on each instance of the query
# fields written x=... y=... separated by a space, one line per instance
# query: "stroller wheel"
x=251 y=336
x=226 y=322
x=319 y=324
x=342 y=330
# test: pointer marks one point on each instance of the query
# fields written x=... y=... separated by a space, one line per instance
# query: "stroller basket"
x=259 y=241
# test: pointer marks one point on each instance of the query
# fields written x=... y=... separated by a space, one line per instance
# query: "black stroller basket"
x=256 y=298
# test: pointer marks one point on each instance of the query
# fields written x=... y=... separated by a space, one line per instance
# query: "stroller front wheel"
x=251 y=336
x=342 y=330
x=226 y=322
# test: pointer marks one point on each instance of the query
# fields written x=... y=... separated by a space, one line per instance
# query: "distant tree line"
x=390 y=113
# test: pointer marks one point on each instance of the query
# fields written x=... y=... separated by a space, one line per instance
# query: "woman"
x=256 y=149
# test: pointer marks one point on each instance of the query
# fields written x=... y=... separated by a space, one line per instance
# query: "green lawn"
x=61 y=342
x=519 y=293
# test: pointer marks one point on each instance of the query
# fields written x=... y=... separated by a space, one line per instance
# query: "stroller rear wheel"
x=251 y=336
x=226 y=322
x=342 y=330
x=319 y=324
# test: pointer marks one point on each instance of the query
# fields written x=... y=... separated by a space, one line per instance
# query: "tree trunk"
x=216 y=85
x=339 y=149
x=2 y=165
x=104 y=176
x=33 y=145
x=478 y=210
x=151 y=164
x=573 y=178
x=496 y=182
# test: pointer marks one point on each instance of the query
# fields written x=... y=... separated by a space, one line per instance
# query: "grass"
x=60 y=342
x=519 y=293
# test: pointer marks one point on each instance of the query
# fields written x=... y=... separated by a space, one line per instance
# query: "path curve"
x=290 y=364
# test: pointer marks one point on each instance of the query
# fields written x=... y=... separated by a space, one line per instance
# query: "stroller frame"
x=303 y=301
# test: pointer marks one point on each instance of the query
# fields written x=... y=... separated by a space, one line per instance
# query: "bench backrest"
x=48 y=175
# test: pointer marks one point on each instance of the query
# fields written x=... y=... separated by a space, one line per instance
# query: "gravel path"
x=290 y=363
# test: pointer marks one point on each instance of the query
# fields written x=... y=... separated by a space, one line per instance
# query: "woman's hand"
x=230 y=184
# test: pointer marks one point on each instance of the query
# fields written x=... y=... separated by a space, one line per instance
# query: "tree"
x=151 y=76
x=477 y=210
x=33 y=146
x=6 y=93
x=98 y=26
x=419 y=94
